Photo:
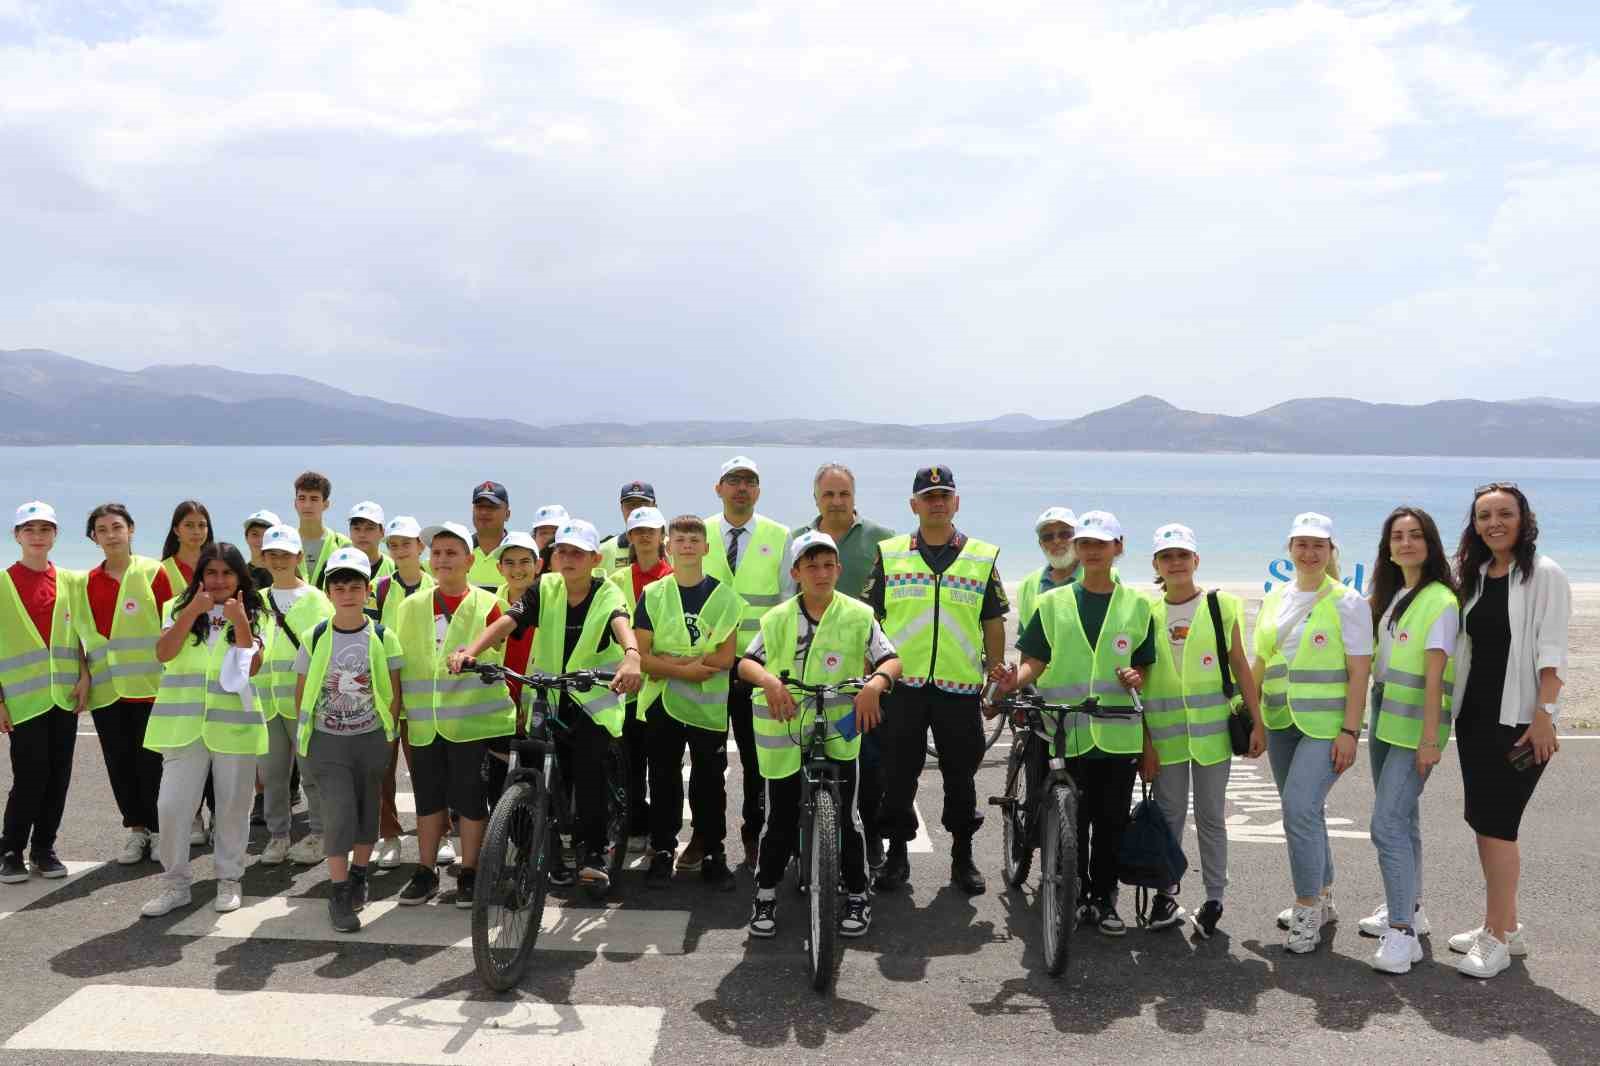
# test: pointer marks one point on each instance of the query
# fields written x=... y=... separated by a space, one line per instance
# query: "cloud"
x=663 y=209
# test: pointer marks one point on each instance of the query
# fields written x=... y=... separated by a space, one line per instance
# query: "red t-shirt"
x=162 y=587
x=105 y=594
x=518 y=650
x=452 y=602
x=641 y=578
x=37 y=591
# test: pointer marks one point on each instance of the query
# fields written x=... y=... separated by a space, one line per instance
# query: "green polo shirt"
x=858 y=553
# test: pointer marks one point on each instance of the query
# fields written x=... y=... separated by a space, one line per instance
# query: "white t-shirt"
x=287 y=598
x=235 y=676
x=1355 y=620
x=1441 y=636
x=1180 y=619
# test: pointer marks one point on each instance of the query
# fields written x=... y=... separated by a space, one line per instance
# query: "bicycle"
x=820 y=832
x=1048 y=821
x=519 y=847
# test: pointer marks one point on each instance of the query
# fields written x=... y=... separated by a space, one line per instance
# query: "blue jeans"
x=1397 y=824
x=1302 y=766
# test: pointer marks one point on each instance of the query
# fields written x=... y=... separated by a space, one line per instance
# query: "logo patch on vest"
x=1123 y=643
x=1208 y=660
x=832 y=660
x=1405 y=635
x=1320 y=639
x=131 y=607
x=766 y=549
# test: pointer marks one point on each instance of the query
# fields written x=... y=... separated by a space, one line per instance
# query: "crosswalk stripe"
x=15 y=897
x=579 y=929
x=123 y=1019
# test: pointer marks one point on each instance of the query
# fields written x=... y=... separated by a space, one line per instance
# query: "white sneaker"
x=1397 y=950
x=387 y=853
x=198 y=837
x=1329 y=914
x=308 y=852
x=169 y=900
x=229 y=896
x=133 y=848
x=1488 y=957
x=276 y=851
x=1377 y=923
x=1305 y=929
x=1462 y=943
x=446 y=854
x=155 y=847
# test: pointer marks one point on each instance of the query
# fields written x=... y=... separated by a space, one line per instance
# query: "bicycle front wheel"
x=508 y=903
x=1058 y=876
x=822 y=946
x=1017 y=854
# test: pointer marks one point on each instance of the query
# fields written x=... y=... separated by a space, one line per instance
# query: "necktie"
x=733 y=547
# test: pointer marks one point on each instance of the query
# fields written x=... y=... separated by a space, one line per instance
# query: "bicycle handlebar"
x=1032 y=701
x=842 y=688
x=578 y=680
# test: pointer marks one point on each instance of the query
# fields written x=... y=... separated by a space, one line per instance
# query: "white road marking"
x=166 y=1022
x=15 y=897
x=580 y=929
x=1250 y=794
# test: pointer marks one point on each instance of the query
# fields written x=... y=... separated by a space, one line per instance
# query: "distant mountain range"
x=49 y=398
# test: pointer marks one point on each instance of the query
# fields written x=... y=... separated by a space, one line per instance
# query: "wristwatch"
x=1353 y=734
x=1553 y=710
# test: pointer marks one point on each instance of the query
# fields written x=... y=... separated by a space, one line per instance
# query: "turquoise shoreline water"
x=1240 y=505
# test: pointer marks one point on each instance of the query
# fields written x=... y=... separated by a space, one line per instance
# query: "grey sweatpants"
x=276 y=766
x=349 y=773
x=1210 y=822
x=183 y=782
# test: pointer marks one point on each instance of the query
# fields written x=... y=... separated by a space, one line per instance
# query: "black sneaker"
x=593 y=872
x=422 y=887
x=341 y=914
x=1207 y=917
x=258 y=810
x=466 y=881
x=1111 y=923
x=1165 y=912
x=360 y=891
x=47 y=865
x=715 y=873
x=660 y=873
x=896 y=872
x=874 y=852
x=12 y=870
x=561 y=876
x=1088 y=912
x=857 y=916
x=764 y=918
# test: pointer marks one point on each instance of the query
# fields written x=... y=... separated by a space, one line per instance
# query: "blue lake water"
x=1240 y=505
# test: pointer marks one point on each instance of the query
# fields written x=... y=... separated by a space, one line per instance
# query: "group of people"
x=215 y=675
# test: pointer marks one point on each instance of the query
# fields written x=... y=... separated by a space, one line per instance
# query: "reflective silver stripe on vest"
x=96 y=655
x=761 y=599
x=696 y=694
x=221 y=717
x=214 y=688
x=901 y=555
x=131 y=644
x=1275 y=700
x=1066 y=693
x=415 y=687
x=603 y=704
x=1310 y=706
x=444 y=685
x=27 y=658
x=1169 y=731
x=1392 y=676
x=183 y=680
x=168 y=709
x=765 y=740
x=1163 y=703
x=1200 y=700
x=282 y=692
x=134 y=669
x=1318 y=677
x=752 y=624
x=1207 y=729
x=446 y=714
x=33 y=683
x=279 y=666
x=1276 y=671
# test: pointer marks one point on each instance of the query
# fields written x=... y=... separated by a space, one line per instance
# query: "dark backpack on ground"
x=1150 y=859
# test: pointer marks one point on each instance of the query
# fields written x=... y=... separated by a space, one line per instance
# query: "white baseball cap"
x=1055 y=514
x=516 y=540
x=366 y=509
x=454 y=529
x=811 y=538
x=281 y=538
x=36 y=511
x=1097 y=525
x=1175 y=535
x=402 y=525
x=646 y=518
x=348 y=559
x=551 y=514
x=739 y=462
x=579 y=534
x=1312 y=524
x=262 y=518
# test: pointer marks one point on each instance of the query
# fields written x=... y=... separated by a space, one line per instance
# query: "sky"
x=892 y=211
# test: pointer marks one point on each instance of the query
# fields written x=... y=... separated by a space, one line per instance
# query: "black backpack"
x=1150 y=859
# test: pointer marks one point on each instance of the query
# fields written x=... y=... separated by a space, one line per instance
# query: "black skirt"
x=1496 y=793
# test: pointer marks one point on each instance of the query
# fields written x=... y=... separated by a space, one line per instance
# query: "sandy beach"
x=1580 y=700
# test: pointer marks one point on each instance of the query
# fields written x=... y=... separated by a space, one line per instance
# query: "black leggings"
x=586 y=752
x=41 y=770
x=134 y=770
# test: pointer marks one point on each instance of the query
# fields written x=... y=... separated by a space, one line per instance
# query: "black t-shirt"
x=939 y=557
x=694 y=598
x=1489 y=626
x=1092 y=608
x=525 y=612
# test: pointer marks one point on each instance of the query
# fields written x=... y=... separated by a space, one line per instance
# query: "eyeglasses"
x=742 y=480
x=1046 y=538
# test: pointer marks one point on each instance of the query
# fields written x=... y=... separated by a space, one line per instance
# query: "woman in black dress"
x=1510 y=660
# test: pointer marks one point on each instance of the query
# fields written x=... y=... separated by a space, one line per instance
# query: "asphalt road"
x=670 y=976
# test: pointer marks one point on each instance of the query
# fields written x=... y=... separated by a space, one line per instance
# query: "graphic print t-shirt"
x=345 y=704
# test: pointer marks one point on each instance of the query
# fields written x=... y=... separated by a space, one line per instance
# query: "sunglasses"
x=1046 y=538
x=1495 y=486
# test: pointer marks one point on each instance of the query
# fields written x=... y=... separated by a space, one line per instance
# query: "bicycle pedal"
x=1001 y=801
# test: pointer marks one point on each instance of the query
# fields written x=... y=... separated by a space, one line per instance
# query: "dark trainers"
x=360 y=892
x=47 y=865
x=857 y=916
x=466 y=881
x=896 y=872
x=258 y=814
x=660 y=873
x=12 y=871
x=561 y=876
x=874 y=852
x=1165 y=912
x=764 y=918
x=1088 y=912
x=1111 y=923
x=692 y=855
x=341 y=914
x=593 y=873
x=1207 y=917
x=715 y=873
x=422 y=887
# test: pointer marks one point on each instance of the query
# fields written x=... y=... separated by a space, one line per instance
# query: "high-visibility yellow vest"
x=934 y=620
x=456 y=707
x=759 y=581
x=123 y=666
x=1186 y=712
x=312 y=570
x=837 y=653
x=176 y=582
x=388 y=612
x=274 y=682
x=1028 y=594
x=383 y=655
x=1405 y=678
x=703 y=705
x=34 y=676
x=1076 y=671
x=192 y=704
x=549 y=640
x=381 y=569
x=614 y=558
x=485 y=572
x=1310 y=692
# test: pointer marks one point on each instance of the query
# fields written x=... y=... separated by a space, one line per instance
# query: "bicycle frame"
x=816 y=769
